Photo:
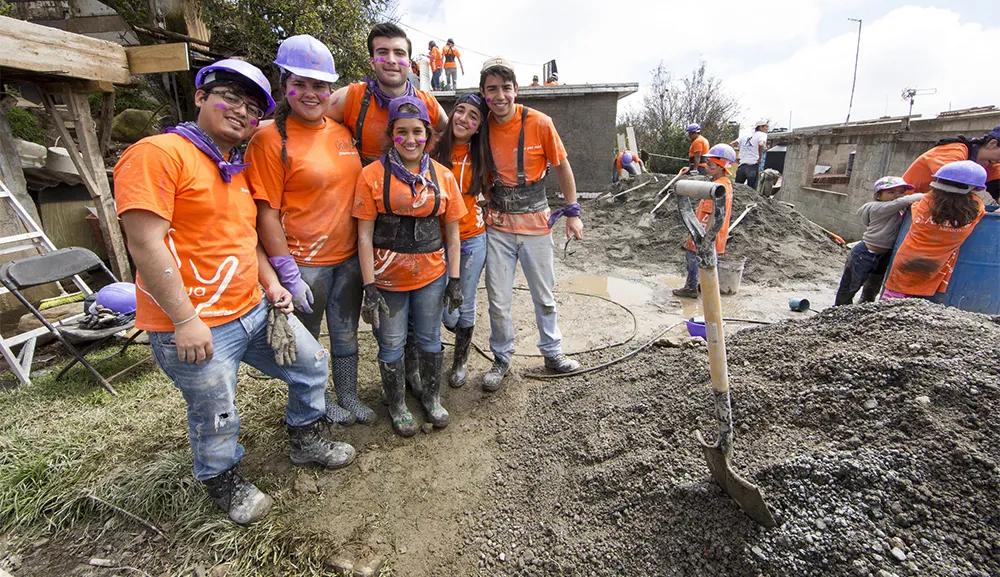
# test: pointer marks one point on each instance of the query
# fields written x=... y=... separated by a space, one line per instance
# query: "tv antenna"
x=910 y=93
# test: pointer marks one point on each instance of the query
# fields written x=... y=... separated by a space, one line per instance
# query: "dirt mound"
x=870 y=429
x=779 y=243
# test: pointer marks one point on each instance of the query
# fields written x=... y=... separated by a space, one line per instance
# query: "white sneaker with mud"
x=561 y=364
x=494 y=376
x=686 y=292
x=243 y=501
x=310 y=447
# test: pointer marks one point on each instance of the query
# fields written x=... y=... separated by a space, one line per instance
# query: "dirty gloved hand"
x=372 y=304
x=453 y=295
x=281 y=338
x=291 y=279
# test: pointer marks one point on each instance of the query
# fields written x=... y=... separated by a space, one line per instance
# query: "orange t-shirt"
x=373 y=140
x=552 y=83
x=923 y=168
x=435 y=58
x=542 y=147
x=397 y=271
x=213 y=227
x=704 y=215
x=472 y=224
x=926 y=258
x=315 y=194
x=699 y=146
x=453 y=51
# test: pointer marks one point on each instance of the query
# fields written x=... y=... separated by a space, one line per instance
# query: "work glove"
x=453 y=295
x=291 y=279
x=281 y=338
x=372 y=305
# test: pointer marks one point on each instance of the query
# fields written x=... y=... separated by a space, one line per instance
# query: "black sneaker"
x=561 y=364
x=243 y=501
x=309 y=447
x=494 y=377
x=686 y=292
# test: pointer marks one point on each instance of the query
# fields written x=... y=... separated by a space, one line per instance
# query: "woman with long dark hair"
x=460 y=149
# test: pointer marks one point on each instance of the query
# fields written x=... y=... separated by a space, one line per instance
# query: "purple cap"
x=395 y=114
x=995 y=133
x=887 y=182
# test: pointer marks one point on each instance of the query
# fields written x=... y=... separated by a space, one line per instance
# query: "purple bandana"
x=380 y=96
x=204 y=142
x=400 y=171
x=571 y=209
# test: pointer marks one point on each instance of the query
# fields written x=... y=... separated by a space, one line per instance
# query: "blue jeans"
x=861 y=263
x=436 y=80
x=210 y=388
x=747 y=173
x=472 y=263
x=423 y=307
x=337 y=291
x=503 y=250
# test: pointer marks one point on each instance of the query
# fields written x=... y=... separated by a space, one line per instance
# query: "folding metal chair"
x=18 y=275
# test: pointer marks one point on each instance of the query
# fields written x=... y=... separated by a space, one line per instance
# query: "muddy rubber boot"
x=394 y=384
x=494 y=377
x=310 y=447
x=243 y=501
x=561 y=364
x=430 y=376
x=334 y=412
x=411 y=356
x=459 y=368
x=345 y=382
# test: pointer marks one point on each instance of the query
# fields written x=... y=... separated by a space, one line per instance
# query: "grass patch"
x=61 y=441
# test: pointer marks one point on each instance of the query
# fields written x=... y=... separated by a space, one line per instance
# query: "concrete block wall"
x=587 y=125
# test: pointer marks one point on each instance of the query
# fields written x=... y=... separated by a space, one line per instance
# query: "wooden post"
x=107 y=117
x=633 y=144
x=89 y=162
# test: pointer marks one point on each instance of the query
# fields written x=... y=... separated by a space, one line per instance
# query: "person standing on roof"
x=402 y=203
x=451 y=54
x=436 y=65
x=751 y=153
x=522 y=143
x=190 y=221
x=363 y=107
x=720 y=157
x=985 y=151
x=301 y=161
x=552 y=80
x=534 y=81
x=697 y=150
x=627 y=164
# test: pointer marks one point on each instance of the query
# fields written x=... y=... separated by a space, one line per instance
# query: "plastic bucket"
x=696 y=327
x=730 y=274
x=798 y=305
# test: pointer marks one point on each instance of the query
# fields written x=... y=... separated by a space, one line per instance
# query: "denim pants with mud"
x=861 y=269
x=503 y=251
x=336 y=291
x=472 y=262
x=210 y=388
x=422 y=307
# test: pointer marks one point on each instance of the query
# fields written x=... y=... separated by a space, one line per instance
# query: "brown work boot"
x=686 y=292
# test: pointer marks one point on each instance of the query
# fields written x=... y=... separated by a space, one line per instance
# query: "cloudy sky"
x=778 y=57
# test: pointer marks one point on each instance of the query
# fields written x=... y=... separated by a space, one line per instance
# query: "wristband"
x=187 y=320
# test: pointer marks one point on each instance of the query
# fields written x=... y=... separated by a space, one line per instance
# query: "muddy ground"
x=870 y=429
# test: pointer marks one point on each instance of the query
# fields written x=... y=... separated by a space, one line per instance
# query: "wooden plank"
x=107 y=117
x=621 y=142
x=155 y=58
x=40 y=49
x=633 y=144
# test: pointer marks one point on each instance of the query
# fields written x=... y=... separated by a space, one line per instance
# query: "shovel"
x=664 y=199
x=718 y=454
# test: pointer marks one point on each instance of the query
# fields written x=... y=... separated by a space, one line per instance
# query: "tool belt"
x=408 y=234
x=525 y=198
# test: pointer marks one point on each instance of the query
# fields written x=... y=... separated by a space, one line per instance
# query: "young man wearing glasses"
x=191 y=227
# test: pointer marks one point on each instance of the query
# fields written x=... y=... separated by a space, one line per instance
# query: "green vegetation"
x=61 y=442
x=24 y=124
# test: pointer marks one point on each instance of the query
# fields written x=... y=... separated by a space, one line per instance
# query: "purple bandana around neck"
x=204 y=143
x=402 y=173
x=381 y=97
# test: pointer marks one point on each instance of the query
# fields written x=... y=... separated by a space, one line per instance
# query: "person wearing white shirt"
x=751 y=152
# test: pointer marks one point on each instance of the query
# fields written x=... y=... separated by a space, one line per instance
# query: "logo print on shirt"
x=314 y=247
x=231 y=261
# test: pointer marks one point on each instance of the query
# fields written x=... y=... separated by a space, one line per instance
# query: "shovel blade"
x=747 y=495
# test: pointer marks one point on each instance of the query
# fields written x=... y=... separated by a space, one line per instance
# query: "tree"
x=670 y=105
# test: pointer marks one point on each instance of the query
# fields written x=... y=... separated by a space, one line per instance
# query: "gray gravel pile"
x=871 y=430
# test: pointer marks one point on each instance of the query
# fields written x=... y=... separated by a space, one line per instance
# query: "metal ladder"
x=33 y=239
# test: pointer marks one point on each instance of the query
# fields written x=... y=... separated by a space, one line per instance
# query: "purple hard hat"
x=118 y=297
x=722 y=152
x=248 y=71
x=396 y=114
x=694 y=127
x=626 y=159
x=303 y=55
x=887 y=182
x=961 y=177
